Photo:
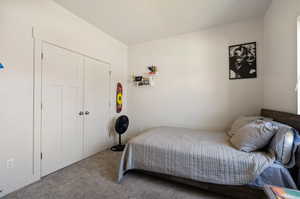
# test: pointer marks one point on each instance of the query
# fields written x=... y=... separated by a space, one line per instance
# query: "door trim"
x=38 y=41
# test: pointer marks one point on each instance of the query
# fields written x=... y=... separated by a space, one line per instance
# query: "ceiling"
x=135 y=21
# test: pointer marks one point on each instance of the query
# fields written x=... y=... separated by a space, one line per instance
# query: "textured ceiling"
x=135 y=21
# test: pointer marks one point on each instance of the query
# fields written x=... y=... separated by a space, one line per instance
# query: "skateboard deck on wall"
x=119 y=100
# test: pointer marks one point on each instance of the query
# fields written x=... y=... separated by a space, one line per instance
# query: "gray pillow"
x=282 y=143
x=243 y=120
x=253 y=136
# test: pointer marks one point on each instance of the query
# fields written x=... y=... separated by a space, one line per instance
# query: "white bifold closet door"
x=96 y=106
x=75 y=108
x=62 y=100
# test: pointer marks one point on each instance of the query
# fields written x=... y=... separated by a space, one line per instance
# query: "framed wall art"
x=242 y=61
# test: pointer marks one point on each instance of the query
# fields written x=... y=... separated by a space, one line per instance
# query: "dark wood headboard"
x=290 y=119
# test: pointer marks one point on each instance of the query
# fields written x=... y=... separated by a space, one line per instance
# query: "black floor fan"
x=121 y=127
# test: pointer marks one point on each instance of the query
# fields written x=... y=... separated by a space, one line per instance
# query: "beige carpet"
x=95 y=178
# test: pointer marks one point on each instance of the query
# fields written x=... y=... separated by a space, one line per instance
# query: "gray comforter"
x=198 y=155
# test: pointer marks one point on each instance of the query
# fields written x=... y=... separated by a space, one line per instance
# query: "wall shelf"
x=145 y=80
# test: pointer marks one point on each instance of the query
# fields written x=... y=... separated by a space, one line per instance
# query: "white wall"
x=280 y=55
x=51 y=22
x=192 y=88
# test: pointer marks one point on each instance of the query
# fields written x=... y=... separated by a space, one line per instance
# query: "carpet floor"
x=95 y=178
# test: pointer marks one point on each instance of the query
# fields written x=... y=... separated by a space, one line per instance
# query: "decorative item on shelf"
x=138 y=78
x=153 y=70
x=143 y=81
x=147 y=79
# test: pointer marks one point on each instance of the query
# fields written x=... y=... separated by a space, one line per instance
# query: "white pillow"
x=253 y=136
x=242 y=121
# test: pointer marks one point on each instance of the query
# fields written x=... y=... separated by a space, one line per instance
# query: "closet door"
x=62 y=101
x=96 y=108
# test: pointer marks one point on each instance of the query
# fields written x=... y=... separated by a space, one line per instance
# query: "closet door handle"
x=87 y=113
x=80 y=113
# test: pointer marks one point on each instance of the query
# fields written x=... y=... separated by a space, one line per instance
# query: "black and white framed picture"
x=242 y=61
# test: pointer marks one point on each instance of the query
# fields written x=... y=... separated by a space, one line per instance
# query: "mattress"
x=204 y=156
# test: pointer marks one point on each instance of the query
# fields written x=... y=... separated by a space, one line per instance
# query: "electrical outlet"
x=10 y=163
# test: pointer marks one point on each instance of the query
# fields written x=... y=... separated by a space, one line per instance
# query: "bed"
x=207 y=160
